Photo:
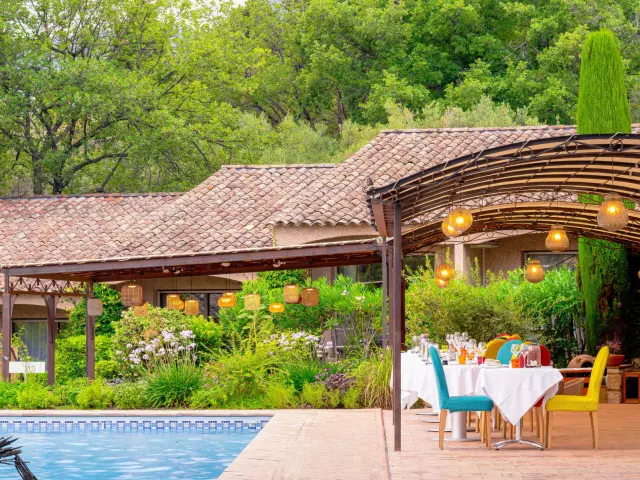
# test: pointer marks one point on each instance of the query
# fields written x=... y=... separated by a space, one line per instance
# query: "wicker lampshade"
x=192 y=307
x=252 y=302
x=291 y=294
x=131 y=295
x=310 y=297
x=141 y=310
x=445 y=271
x=534 y=272
x=448 y=229
x=460 y=219
x=276 y=307
x=557 y=240
x=94 y=306
x=441 y=283
x=613 y=214
x=173 y=301
x=227 y=300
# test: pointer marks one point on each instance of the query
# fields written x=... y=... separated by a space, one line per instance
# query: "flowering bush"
x=294 y=345
x=150 y=353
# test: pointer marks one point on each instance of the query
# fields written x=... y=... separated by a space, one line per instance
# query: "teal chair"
x=475 y=403
x=504 y=354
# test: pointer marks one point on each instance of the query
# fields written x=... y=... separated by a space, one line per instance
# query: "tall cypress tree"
x=603 y=266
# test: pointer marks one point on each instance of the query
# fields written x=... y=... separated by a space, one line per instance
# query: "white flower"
x=192 y=345
x=344 y=293
x=162 y=351
x=186 y=334
x=148 y=348
x=118 y=352
x=141 y=342
x=180 y=348
x=129 y=345
x=145 y=356
x=136 y=361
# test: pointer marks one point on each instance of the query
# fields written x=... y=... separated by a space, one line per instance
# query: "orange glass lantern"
x=141 y=310
x=252 y=302
x=291 y=294
x=613 y=214
x=441 y=283
x=173 y=301
x=445 y=272
x=448 y=229
x=192 y=307
x=310 y=297
x=227 y=300
x=534 y=272
x=557 y=240
x=131 y=295
x=276 y=307
x=460 y=219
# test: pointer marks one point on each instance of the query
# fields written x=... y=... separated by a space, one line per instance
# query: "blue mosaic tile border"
x=76 y=425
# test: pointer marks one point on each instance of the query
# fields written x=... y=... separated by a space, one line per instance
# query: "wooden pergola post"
x=385 y=290
x=51 y=302
x=396 y=288
x=90 y=331
x=7 y=307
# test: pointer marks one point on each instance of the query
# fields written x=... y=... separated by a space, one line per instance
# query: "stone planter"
x=615 y=360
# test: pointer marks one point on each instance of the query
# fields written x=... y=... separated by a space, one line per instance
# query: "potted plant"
x=615 y=347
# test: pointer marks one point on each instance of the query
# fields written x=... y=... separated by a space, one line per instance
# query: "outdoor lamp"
x=534 y=272
x=291 y=294
x=310 y=297
x=192 y=307
x=460 y=219
x=227 y=300
x=94 y=306
x=449 y=229
x=441 y=283
x=173 y=301
x=445 y=272
x=141 y=310
x=252 y=302
x=131 y=295
x=613 y=214
x=557 y=240
x=276 y=307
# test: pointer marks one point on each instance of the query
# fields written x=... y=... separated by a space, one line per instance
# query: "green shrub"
x=301 y=373
x=130 y=396
x=107 y=369
x=280 y=396
x=373 y=377
x=97 y=395
x=333 y=399
x=173 y=383
x=351 y=398
x=34 y=396
x=314 y=395
x=71 y=355
x=209 y=397
x=208 y=334
x=68 y=392
x=8 y=394
x=112 y=311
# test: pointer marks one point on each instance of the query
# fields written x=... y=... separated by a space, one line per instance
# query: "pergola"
x=524 y=186
x=530 y=185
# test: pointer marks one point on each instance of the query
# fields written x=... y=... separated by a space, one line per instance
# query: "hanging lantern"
x=445 y=272
x=131 y=295
x=173 y=301
x=441 y=283
x=291 y=294
x=534 y=272
x=252 y=302
x=460 y=219
x=310 y=297
x=276 y=307
x=613 y=214
x=94 y=307
x=557 y=240
x=141 y=310
x=449 y=229
x=192 y=307
x=227 y=300
x=180 y=305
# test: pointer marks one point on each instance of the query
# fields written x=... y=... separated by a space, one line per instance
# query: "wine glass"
x=464 y=336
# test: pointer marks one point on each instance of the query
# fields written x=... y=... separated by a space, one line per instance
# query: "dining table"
x=513 y=390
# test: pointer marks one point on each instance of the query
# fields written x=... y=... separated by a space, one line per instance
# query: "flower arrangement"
x=615 y=345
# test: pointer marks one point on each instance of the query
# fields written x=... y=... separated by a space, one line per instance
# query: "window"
x=208 y=301
x=373 y=273
x=34 y=336
x=551 y=260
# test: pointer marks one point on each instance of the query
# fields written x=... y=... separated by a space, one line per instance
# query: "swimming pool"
x=129 y=447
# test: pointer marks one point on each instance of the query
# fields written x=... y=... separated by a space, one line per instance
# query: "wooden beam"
x=51 y=302
x=378 y=215
x=385 y=290
x=396 y=285
x=51 y=294
x=90 y=332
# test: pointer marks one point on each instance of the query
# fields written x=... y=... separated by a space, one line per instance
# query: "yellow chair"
x=493 y=347
x=588 y=403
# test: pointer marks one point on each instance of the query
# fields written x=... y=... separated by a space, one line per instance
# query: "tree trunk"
x=38 y=180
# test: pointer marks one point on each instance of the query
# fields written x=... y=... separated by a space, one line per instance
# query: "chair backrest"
x=493 y=347
x=545 y=356
x=441 y=380
x=504 y=355
x=595 y=381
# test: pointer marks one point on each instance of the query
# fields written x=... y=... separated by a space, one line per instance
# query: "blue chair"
x=504 y=354
x=475 y=403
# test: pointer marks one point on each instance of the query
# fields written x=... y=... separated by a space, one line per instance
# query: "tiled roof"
x=72 y=226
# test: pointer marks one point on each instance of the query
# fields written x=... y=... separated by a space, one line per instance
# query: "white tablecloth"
x=515 y=390
x=418 y=380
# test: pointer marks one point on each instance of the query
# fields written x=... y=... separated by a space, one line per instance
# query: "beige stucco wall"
x=290 y=235
x=32 y=307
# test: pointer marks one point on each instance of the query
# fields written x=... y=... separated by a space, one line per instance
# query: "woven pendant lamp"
x=291 y=294
x=276 y=307
x=227 y=300
x=192 y=307
x=445 y=271
x=534 y=272
x=94 y=307
x=460 y=219
x=310 y=297
x=252 y=302
x=173 y=301
x=141 y=310
x=613 y=214
x=132 y=295
x=557 y=240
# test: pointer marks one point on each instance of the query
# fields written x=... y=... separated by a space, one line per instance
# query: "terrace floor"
x=350 y=444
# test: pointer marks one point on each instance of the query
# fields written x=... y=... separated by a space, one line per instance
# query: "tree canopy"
x=112 y=95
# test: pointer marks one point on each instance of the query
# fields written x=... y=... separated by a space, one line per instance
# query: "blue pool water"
x=134 y=453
